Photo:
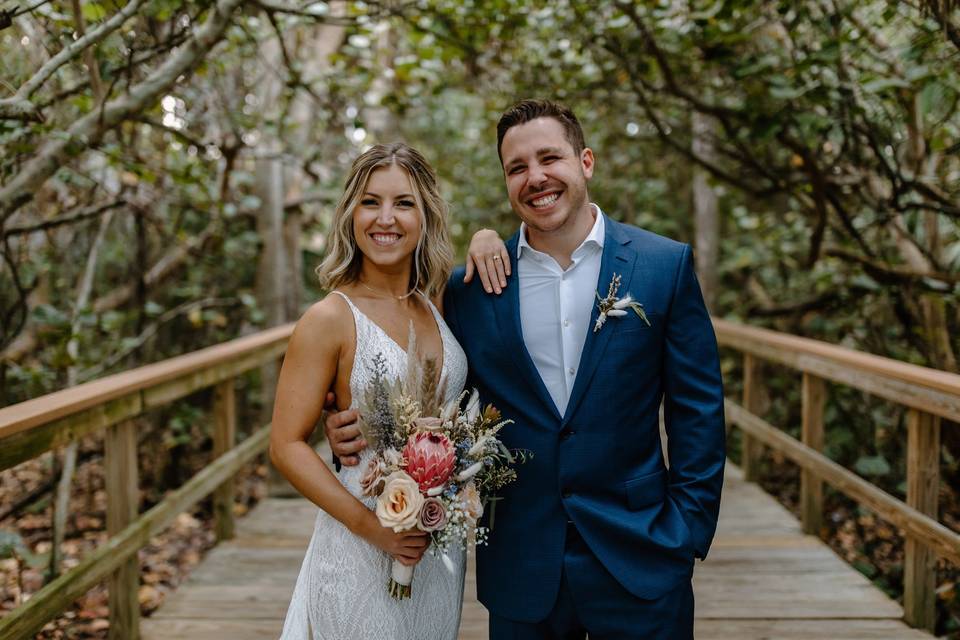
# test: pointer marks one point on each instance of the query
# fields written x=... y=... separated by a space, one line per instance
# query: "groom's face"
x=546 y=178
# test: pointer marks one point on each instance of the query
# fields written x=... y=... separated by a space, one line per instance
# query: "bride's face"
x=386 y=223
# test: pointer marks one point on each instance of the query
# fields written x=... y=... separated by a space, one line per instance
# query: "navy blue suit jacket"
x=600 y=465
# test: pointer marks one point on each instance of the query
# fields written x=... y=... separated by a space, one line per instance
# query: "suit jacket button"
x=566 y=432
x=566 y=493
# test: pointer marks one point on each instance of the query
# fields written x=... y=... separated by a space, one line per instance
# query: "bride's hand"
x=406 y=547
x=488 y=256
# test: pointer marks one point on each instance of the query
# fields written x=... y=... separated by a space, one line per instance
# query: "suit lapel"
x=618 y=258
x=506 y=309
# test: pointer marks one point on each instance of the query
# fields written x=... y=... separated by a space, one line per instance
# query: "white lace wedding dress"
x=341 y=593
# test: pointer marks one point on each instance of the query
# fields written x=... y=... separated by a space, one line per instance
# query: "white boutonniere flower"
x=615 y=307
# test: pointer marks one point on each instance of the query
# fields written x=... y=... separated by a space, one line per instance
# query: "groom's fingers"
x=330 y=401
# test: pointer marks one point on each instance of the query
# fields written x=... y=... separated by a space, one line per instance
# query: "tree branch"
x=19 y=107
x=89 y=130
x=896 y=275
x=83 y=214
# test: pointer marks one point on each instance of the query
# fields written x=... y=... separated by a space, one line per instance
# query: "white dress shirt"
x=555 y=307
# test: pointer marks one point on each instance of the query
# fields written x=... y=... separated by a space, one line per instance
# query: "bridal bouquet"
x=434 y=465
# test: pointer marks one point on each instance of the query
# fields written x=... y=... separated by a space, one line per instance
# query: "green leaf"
x=872 y=466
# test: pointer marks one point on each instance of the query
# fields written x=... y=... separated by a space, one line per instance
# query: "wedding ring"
x=497 y=258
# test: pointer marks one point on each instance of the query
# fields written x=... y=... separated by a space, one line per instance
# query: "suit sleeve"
x=449 y=307
x=693 y=408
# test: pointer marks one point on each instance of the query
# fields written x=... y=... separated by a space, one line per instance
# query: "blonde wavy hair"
x=433 y=257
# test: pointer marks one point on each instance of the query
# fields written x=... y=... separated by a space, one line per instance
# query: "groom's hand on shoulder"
x=343 y=434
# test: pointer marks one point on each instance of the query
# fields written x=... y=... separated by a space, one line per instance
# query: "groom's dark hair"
x=527 y=110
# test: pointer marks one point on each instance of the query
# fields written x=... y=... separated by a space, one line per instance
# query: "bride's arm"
x=488 y=257
x=309 y=369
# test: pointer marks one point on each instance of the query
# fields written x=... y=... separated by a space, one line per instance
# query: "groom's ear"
x=586 y=162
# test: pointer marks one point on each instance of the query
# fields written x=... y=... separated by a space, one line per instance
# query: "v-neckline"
x=436 y=321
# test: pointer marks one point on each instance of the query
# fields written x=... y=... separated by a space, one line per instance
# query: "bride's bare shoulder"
x=326 y=323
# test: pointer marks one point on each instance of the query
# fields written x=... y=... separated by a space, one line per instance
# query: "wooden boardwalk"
x=764 y=579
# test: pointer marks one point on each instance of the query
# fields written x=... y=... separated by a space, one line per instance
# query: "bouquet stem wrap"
x=401 y=577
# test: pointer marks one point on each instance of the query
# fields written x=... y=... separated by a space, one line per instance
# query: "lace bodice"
x=341 y=591
x=372 y=340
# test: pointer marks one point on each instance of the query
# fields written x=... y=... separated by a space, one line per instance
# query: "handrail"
x=930 y=390
x=68 y=402
x=929 y=394
x=33 y=427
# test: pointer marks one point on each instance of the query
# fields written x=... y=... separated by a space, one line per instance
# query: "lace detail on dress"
x=341 y=592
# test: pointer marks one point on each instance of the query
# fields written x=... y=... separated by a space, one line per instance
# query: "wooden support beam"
x=923 y=487
x=751 y=450
x=813 y=395
x=123 y=500
x=224 y=438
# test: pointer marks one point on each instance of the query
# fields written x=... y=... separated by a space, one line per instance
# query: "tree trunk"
x=706 y=218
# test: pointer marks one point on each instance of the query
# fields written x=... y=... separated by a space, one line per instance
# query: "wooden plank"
x=913 y=522
x=751 y=451
x=123 y=501
x=813 y=397
x=923 y=490
x=753 y=585
x=930 y=390
x=57 y=595
x=786 y=629
x=224 y=437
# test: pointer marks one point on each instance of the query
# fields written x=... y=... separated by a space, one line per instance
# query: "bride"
x=389 y=258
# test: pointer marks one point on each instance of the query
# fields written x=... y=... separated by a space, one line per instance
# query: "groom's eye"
x=515 y=169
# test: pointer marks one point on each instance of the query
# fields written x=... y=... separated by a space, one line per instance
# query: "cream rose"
x=472 y=504
x=398 y=507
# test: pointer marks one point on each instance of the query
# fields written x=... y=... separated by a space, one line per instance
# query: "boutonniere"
x=615 y=307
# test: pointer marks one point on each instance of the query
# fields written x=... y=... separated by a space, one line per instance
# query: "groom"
x=598 y=535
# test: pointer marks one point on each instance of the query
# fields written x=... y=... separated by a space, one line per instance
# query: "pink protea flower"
x=429 y=459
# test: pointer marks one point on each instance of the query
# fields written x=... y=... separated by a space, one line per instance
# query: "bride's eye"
x=406 y=203
x=368 y=202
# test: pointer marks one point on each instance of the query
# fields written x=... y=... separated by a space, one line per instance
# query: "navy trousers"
x=591 y=603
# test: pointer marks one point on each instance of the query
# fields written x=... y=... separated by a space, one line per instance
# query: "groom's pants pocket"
x=646 y=490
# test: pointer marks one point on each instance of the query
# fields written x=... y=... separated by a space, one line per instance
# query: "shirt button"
x=566 y=323
x=570 y=370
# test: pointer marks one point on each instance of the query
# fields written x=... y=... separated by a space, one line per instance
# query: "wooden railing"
x=36 y=426
x=33 y=427
x=928 y=394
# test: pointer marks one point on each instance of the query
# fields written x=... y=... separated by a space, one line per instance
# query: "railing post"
x=752 y=398
x=813 y=396
x=224 y=438
x=123 y=498
x=923 y=485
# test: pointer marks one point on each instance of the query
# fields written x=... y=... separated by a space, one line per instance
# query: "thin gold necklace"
x=387 y=293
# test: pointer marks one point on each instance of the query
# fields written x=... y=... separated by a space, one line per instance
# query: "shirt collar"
x=594 y=238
